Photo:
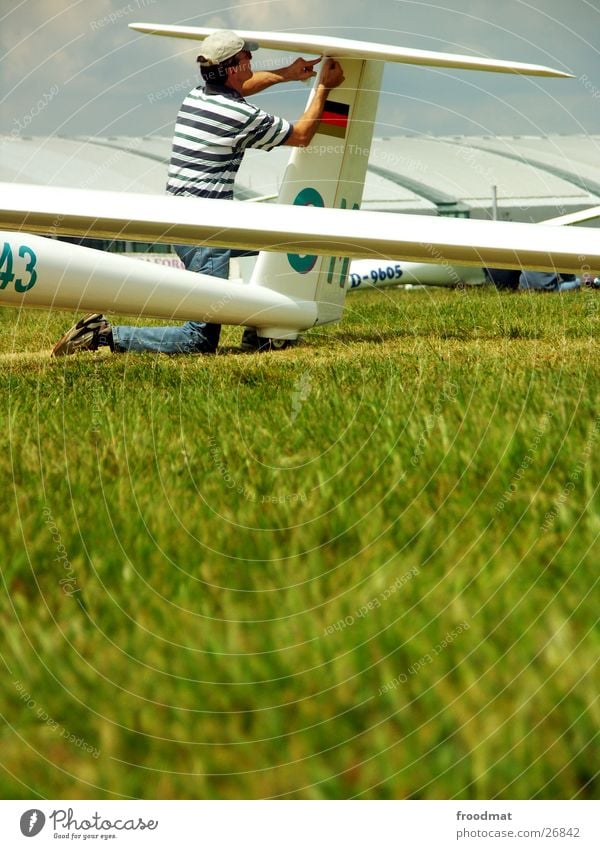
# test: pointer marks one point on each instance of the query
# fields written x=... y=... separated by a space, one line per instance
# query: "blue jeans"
x=193 y=337
x=545 y=281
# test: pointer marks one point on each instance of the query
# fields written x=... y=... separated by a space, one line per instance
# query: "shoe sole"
x=79 y=337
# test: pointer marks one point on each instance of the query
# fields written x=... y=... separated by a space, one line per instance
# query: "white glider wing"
x=339 y=48
x=571 y=218
x=297 y=229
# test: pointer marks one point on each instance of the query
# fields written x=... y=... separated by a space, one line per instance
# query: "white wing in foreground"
x=297 y=230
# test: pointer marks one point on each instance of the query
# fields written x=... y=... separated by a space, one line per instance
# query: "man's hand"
x=306 y=126
x=301 y=69
x=332 y=74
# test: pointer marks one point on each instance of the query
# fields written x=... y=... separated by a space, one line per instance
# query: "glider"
x=306 y=239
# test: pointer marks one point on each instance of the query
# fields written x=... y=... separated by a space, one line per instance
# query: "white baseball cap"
x=223 y=45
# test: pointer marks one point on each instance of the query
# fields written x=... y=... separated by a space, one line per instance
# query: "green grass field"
x=364 y=567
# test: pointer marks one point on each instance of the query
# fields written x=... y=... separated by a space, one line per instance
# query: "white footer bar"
x=300 y=824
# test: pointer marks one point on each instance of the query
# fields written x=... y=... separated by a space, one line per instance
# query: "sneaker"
x=250 y=340
x=87 y=335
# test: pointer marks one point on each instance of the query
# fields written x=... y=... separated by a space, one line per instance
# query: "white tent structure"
x=513 y=178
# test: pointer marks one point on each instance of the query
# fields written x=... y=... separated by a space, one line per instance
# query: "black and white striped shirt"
x=214 y=127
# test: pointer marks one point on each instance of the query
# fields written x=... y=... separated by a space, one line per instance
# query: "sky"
x=75 y=68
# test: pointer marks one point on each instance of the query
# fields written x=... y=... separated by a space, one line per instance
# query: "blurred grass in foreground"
x=364 y=567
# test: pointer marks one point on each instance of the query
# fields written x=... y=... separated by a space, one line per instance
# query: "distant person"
x=539 y=281
x=214 y=127
x=548 y=281
x=503 y=278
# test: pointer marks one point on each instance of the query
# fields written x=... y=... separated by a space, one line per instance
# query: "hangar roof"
x=532 y=177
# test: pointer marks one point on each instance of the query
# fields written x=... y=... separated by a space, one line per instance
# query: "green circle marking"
x=306 y=197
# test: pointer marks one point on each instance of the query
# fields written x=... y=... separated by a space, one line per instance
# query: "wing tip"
x=553 y=72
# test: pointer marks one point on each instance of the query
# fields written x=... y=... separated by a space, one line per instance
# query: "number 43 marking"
x=6 y=268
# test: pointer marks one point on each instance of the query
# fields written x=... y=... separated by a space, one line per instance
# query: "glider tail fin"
x=330 y=172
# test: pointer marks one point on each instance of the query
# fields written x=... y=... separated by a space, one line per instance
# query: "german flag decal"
x=334 y=120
